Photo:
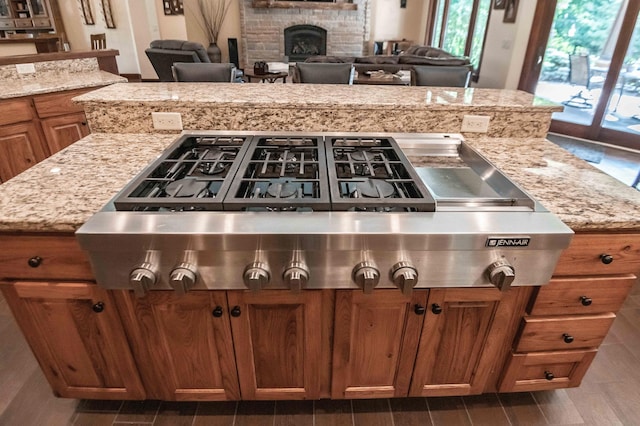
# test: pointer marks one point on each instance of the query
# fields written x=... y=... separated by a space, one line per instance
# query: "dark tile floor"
x=609 y=395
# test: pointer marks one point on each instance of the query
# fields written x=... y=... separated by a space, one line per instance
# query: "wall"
x=390 y=22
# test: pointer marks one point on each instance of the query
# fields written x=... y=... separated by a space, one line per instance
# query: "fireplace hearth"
x=302 y=41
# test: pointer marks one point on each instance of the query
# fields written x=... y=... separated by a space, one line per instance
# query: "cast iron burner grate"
x=281 y=174
x=372 y=174
x=191 y=175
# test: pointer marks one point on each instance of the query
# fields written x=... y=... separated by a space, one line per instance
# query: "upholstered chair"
x=204 y=72
x=323 y=73
x=164 y=53
x=444 y=76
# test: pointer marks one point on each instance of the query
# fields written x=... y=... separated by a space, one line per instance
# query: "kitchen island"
x=88 y=349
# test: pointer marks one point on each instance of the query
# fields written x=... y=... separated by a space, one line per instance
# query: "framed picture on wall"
x=87 y=15
x=173 y=7
x=108 y=15
x=510 y=11
x=499 y=4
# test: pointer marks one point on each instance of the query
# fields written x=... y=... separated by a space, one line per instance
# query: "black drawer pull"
x=606 y=258
x=235 y=311
x=419 y=310
x=35 y=261
x=436 y=309
x=567 y=338
x=549 y=375
x=98 y=307
x=586 y=301
x=217 y=312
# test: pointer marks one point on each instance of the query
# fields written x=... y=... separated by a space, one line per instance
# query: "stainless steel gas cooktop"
x=236 y=210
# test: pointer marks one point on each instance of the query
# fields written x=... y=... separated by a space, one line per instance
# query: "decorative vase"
x=213 y=51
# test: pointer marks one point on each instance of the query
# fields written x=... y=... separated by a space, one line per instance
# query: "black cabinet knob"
x=35 y=261
x=606 y=258
x=549 y=375
x=419 y=310
x=567 y=338
x=98 y=307
x=586 y=301
x=436 y=309
x=235 y=311
x=217 y=312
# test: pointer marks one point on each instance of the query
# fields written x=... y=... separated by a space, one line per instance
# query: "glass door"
x=4 y=9
x=582 y=55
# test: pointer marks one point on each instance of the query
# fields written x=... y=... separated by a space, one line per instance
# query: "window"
x=459 y=27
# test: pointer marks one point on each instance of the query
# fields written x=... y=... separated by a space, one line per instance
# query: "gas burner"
x=359 y=156
x=282 y=190
x=213 y=168
x=373 y=188
x=214 y=154
x=188 y=187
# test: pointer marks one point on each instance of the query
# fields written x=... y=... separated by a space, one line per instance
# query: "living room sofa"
x=414 y=55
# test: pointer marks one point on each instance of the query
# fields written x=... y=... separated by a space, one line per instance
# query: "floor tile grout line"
x=426 y=401
x=195 y=414
x=539 y=408
x=155 y=416
x=504 y=410
x=353 y=417
x=117 y=412
x=393 y=422
x=313 y=412
x=466 y=410
x=235 y=413
x=275 y=407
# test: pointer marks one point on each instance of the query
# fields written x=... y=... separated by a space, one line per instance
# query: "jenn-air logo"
x=508 y=242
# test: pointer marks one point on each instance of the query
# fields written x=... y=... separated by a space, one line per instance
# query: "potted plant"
x=210 y=16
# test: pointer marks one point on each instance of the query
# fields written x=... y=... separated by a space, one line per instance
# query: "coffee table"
x=269 y=77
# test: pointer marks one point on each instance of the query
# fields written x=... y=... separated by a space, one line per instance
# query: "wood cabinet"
x=183 y=345
x=36 y=127
x=375 y=342
x=268 y=345
x=568 y=318
x=76 y=335
x=37 y=15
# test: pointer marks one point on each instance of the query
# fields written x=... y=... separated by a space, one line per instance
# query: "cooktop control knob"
x=256 y=275
x=366 y=275
x=182 y=278
x=501 y=274
x=405 y=276
x=141 y=279
x=296 y=276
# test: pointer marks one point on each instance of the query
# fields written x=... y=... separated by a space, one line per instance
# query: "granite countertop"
x=56 y=82
x=310 y=96
x=62 y=192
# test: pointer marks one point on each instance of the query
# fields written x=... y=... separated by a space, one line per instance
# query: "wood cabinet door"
x=64 y=130
x=20 y=148
x=281 y=343
x=76 y=334
x=454 y=357
x=182 y=344
x=375 y=342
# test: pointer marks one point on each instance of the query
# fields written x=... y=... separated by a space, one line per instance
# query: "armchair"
x=204 y=72
x=164 y=53
x=444 y=76
x=323 y=73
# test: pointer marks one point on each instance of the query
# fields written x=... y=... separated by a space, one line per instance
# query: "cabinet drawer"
x=6 y=23
x=16 y=111
x=561 y=333
x=55 y=257
x=41 y=22
x=585 y=255
x=543 y=371
x=565 y=296
x=23 y=23
x=58 y=103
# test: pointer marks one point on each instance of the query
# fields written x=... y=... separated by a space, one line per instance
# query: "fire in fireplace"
x=302 y=41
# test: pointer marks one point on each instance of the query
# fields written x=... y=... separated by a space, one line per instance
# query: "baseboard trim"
x=133 y=78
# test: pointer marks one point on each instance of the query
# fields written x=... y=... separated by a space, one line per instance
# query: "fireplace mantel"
x=274 y=4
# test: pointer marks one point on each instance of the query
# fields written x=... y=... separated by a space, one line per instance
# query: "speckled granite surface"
x=290 y=107
x=51 y=82
x=62 y=192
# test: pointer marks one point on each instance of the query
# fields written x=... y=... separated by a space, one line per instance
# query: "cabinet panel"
x=184 y=351
x=20 y=148
x=58 y=103
x=568 y=296
x=43 y=258
x=560 y=333
x=583 y=257
x=545 y=370
x=64 y=130
x=279 y=343
x=16 y=111
x=77 y=337
x=453 y=344
x=375 y=343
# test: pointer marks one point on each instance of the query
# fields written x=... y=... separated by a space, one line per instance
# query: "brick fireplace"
x=263 y=30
